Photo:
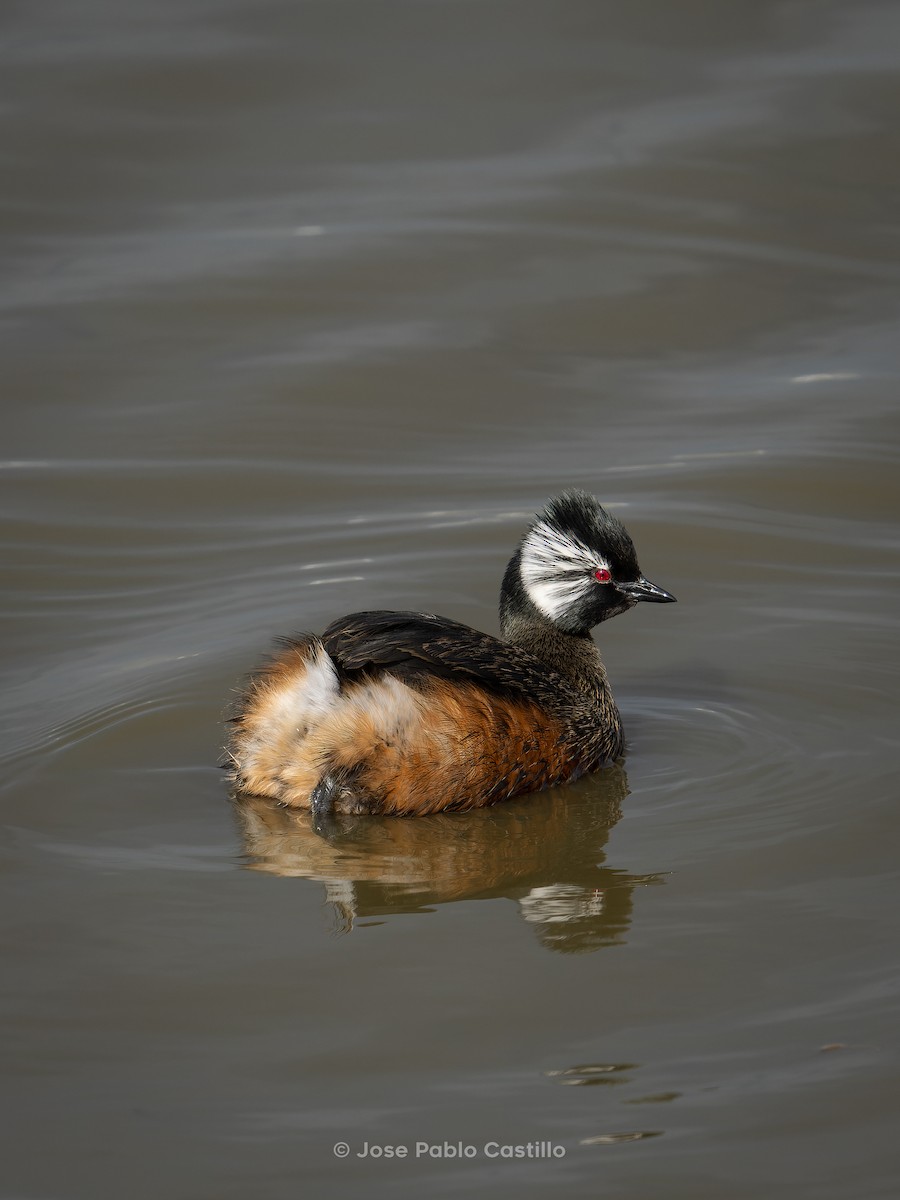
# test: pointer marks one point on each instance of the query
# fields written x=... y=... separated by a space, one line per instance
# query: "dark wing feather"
x=415 y=646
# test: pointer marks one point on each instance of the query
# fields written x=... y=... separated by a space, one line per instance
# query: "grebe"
x=409 y=713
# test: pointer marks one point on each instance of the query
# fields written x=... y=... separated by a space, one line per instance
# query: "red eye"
x=602 y=575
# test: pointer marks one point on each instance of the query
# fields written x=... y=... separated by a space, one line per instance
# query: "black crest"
x=578 y=515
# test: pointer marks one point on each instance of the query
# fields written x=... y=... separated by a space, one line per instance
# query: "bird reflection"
x=545 y=852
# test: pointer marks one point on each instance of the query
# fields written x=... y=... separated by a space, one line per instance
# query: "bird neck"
x=572 y=655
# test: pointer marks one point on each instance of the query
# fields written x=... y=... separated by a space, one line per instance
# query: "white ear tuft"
x=556 y=569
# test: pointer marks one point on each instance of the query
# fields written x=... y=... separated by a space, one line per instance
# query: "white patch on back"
x=316 y=694
x=284 y=709
x=321 y=688
x=556 y=569
x=392 y=707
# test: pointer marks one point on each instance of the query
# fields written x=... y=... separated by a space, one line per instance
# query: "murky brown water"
x=305 y=308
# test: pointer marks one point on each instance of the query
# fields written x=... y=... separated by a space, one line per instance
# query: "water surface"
x=306 y=308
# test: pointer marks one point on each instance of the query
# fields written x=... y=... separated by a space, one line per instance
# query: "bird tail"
x=283 y=705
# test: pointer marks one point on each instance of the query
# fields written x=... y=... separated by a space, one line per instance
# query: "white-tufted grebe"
x=409 y=713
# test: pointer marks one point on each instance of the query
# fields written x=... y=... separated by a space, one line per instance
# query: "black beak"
x=643 y=589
